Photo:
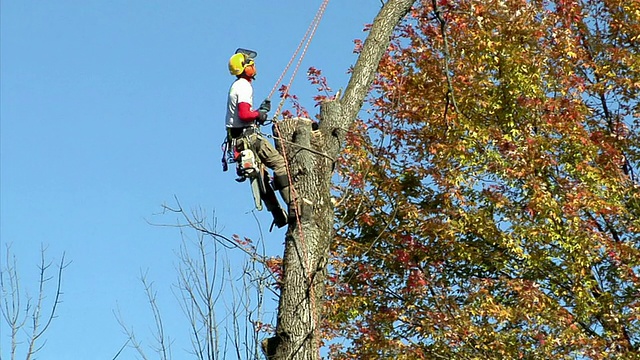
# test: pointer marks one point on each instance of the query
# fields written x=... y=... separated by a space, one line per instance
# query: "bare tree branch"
x=163 y=347
x=18 y=310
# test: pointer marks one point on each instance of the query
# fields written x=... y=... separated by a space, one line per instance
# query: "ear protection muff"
x=250 y=70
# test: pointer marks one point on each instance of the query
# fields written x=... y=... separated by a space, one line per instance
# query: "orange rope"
x=293 y=194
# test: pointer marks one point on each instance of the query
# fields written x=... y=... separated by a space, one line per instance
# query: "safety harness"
x=239 y=147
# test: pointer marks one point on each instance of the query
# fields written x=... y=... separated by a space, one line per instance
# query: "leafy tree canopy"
x=490 y=203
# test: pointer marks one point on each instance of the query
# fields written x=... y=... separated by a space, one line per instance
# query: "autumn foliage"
x=489 y=204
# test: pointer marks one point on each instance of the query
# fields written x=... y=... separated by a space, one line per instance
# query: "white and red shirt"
x=239 y=104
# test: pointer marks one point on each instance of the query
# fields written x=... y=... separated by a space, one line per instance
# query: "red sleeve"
x=245 y=113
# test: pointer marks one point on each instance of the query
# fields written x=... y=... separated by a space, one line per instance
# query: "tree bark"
x=311 y=156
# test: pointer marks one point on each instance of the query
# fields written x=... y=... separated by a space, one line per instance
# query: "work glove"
x=262 y=117
x=266 y=105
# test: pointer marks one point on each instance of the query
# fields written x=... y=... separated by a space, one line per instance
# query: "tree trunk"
x=311 y=156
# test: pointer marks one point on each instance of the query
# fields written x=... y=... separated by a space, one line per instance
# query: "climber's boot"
x=281 y=183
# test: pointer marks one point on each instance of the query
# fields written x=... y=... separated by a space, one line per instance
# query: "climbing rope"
x=306 y=40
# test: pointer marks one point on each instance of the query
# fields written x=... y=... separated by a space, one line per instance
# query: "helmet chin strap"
x=245 y=76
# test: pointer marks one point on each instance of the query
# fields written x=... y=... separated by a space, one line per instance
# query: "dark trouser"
x=269 y=156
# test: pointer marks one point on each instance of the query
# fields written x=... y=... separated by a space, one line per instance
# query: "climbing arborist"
x=242 y=121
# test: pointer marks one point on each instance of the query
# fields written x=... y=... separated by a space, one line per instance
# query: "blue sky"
x=108 y=110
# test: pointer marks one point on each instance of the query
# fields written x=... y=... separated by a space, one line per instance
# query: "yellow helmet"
x=242 y=61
